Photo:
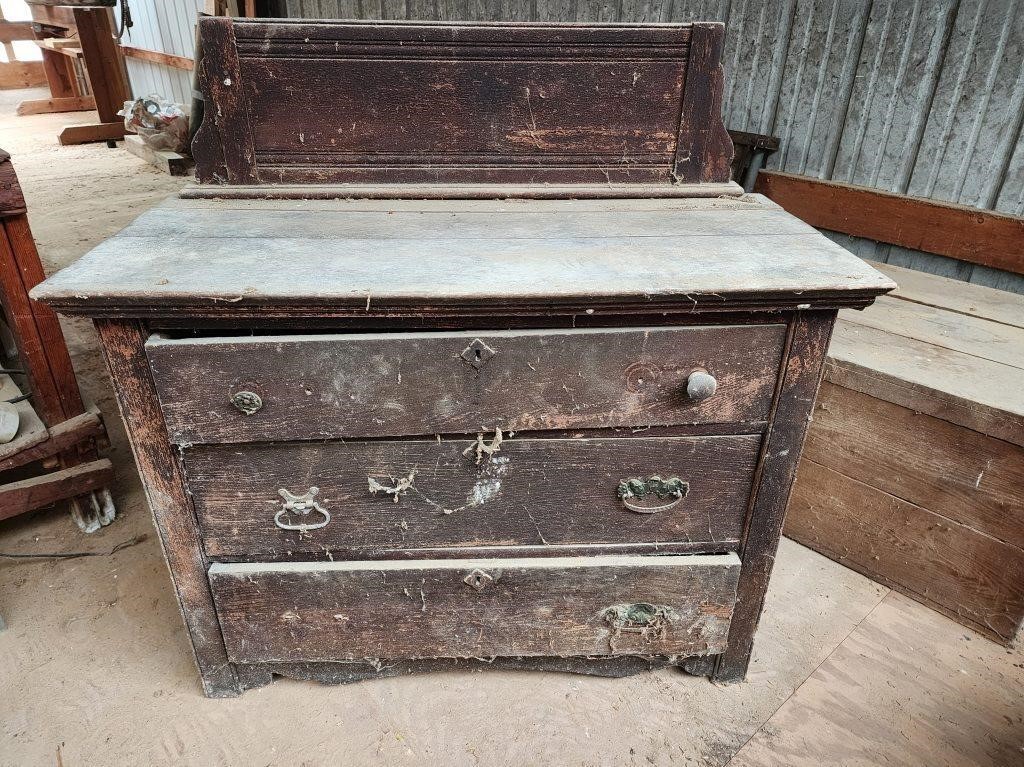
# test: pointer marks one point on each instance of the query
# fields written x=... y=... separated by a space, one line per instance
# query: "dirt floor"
x=95 y=667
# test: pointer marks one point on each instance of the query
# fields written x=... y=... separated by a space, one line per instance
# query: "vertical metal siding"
x=167 y=26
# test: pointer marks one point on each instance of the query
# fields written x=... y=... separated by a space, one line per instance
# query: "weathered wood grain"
x=739 y=258
x=961 y=232
x=386 y=385
x=964 y=298
x=978 y=337
x=954 y=472
x=461 y=102
x=956 y=386
x=974 y=578
x=544 y=492
x=122 y=344
x=426 y=609
x=28 y=494
x=805 y=356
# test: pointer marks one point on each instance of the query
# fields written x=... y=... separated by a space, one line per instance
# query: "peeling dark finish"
x=798 y=386
x=351 y=611
x=413 y=102
x=704 y=149
x=548 y=492
x=331 y=386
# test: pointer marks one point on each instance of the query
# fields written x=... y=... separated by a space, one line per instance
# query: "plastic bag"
x=161 y=124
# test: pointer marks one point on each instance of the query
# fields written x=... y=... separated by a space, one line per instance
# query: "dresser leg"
x=124 y=349
x=803 y=365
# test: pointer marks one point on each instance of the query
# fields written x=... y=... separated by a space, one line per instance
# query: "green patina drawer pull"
x=637 y=489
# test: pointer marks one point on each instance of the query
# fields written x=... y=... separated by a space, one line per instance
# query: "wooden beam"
x=22 y=74
x=171 y=163
x=16 y=30
x=158 y=57
x=107 y=78
x=49 y=106
x=957 y=231
x=63 y=437
x=28 y=494
x=83 y=134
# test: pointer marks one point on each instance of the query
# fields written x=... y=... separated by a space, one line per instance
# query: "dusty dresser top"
x=218 y=258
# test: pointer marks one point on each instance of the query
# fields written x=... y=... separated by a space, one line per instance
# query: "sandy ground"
x=95 y=667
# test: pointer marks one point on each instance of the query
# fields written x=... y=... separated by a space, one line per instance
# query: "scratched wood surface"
x=431 y=258
x=546 y=492
x=460 y=102
x=425 y=609
x=386 y=385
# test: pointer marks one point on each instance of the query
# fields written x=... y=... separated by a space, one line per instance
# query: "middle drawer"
x=257 y=501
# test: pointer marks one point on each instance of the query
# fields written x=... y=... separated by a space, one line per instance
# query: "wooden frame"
x=969 y=234
x=71 y=429
x=506 y=139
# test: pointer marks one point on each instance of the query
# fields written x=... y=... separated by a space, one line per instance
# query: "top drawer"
x=398 y=384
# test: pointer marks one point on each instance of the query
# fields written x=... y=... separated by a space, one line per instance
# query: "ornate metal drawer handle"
x=637 y=488
x=301 y=505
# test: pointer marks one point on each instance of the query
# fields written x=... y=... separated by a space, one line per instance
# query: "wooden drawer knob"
x=700 y=385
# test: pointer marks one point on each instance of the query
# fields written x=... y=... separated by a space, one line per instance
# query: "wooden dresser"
x=472 y=399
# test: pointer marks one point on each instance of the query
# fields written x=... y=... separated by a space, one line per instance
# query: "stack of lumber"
x=913 y=473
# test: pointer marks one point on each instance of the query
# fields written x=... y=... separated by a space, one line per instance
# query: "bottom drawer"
x=558 y=606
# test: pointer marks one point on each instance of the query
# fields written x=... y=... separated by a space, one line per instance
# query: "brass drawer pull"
x=636 y=488
x=301 y=505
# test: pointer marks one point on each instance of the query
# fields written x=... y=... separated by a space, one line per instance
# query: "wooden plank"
x=21 y=74
x=972 y=577
x=107 y=78
x=59 y=439
x=568 y=606
x=170 y=163
x=958 y=387
x=877 y=699
x=515 y=497
x=15 y=30
x=536 y=379
x=977 y=337
x=547 y=274
x=703 y=151
x=41 y=344
x=49 y=106
x=85 y=134
x=465 y=191
x=954 y=472
x=780 y=452
x=158 y=57
x=954 y=295
x=28 y=494
x=58 y=77
x=165 y=489
x=223 y=144
x=969 y=234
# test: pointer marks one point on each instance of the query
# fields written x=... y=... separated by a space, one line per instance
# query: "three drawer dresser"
x=465 y=352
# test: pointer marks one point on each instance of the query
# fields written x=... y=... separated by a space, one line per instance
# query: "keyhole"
x=476 y=353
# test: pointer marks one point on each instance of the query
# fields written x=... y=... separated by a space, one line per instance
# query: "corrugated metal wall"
x=924 y=97
x=167 y=26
